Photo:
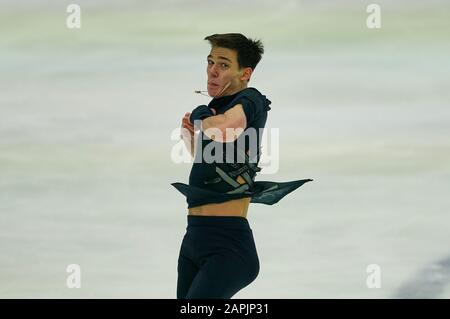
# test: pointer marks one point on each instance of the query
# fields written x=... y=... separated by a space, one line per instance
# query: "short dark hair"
x=249 y=51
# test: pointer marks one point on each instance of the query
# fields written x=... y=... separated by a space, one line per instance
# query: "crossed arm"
x=215 y=127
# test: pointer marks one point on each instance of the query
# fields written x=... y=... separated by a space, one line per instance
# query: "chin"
x=212 y=93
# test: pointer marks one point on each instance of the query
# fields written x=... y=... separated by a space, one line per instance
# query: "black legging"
x=217 y=257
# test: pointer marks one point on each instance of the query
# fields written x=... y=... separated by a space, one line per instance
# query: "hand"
x=185 y=124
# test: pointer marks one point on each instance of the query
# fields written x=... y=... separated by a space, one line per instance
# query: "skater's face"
x=225 y=77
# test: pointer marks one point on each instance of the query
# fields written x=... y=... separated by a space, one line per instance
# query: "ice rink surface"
x=86 y=118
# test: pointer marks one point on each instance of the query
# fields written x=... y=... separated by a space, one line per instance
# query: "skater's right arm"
x=188 y=134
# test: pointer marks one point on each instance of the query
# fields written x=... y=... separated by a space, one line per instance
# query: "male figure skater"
x=218 y=255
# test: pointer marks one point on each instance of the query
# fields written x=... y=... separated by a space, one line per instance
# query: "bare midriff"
x=235 y=207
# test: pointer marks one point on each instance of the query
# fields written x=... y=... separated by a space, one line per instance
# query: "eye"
x=224 y=65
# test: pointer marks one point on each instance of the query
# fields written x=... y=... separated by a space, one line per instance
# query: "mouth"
x=213 y=84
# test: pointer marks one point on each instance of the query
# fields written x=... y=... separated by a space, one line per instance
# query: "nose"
x=212 y=71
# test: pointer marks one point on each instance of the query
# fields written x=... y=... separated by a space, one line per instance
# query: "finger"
x=189 y=127
x=186 y=122
x=187 y=119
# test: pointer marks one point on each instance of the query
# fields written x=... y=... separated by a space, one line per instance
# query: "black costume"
x=216 y=182
x=218 y=255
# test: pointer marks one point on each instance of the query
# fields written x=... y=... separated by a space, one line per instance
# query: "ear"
x=246 y=74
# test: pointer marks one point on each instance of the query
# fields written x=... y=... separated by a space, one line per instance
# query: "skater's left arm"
x=215 y=127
